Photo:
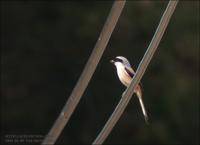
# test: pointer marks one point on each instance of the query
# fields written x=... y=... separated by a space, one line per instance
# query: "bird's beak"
x=112 y=61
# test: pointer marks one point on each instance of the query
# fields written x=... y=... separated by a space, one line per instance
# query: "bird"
x=125 y=74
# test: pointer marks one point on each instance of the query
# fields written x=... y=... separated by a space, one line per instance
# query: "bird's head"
x=120 y=60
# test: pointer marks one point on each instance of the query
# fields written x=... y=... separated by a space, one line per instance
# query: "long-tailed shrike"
x=125 y=74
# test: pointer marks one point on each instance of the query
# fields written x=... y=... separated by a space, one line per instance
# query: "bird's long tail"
x=139 y=95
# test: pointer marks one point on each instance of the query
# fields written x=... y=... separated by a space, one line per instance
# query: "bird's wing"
x=129 y=71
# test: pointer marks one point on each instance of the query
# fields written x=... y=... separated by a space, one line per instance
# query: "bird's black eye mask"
x=118 y=60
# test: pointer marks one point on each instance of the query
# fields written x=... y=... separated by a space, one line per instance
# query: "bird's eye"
x=118 y=60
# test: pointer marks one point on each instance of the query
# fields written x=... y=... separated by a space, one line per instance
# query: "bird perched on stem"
x=125 y=74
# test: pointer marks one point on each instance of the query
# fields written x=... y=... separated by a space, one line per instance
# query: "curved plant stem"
x=86 y=75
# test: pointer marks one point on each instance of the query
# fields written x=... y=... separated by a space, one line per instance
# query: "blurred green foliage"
x=45 y=45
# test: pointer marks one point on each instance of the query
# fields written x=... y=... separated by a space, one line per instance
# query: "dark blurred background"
x=45 y=46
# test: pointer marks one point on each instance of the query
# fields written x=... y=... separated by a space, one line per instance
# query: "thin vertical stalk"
x=86 y=75
x=139 y=73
